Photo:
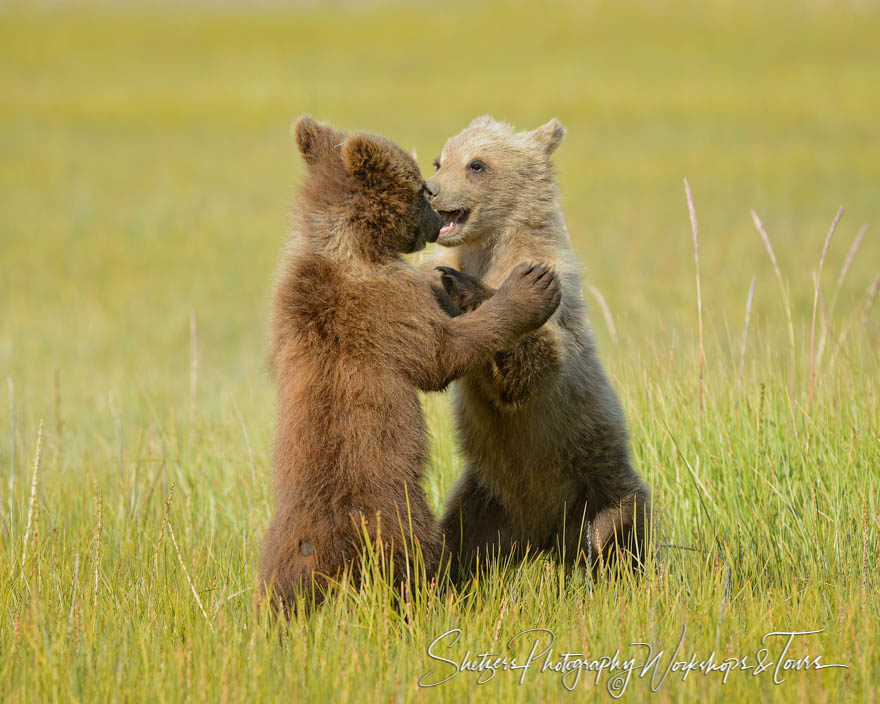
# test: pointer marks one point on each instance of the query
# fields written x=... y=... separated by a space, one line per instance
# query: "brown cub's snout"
x=430 y=223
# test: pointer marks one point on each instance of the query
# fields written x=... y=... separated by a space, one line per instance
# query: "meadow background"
x=146 y=175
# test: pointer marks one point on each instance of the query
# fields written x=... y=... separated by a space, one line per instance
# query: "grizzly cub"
x=547 y=459
x=356 y=332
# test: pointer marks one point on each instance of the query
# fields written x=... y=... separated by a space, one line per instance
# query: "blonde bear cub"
x=545 y=442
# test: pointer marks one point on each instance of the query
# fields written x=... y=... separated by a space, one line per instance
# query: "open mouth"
x=452 y=219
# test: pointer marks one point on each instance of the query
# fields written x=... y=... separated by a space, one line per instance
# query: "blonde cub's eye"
x=436 y=163
x=476 y=166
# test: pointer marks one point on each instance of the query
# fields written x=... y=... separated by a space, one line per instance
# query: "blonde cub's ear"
x=483 y=121
x=549 y=135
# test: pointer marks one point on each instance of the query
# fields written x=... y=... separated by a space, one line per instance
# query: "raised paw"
x=534 y=292
x=464 y=290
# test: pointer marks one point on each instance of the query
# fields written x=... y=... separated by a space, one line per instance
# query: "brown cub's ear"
x=548 y=136
x=368 y=159
x=314 y=139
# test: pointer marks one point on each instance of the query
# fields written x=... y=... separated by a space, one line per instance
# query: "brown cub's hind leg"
x=475 y=526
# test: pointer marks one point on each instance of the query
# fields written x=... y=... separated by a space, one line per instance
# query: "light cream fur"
x=547 y=459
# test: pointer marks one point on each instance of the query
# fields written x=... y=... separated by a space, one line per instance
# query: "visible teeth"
x=451 y=218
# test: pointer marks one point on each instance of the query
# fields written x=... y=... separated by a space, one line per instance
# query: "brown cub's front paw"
x=465 y=291
x=535 y=293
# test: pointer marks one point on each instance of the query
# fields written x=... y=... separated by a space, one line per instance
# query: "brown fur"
x=547 y=460
x=356 y=332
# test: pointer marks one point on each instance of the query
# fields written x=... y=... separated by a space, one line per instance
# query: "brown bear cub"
x=356 y=332
x=547 y=459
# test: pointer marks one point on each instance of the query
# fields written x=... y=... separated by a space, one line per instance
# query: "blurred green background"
x=147 y=169
x=146 y=177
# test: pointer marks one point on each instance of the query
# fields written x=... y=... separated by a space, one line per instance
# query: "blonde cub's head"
x=490 y=178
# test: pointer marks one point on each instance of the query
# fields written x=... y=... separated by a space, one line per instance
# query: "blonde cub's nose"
x=433 y=189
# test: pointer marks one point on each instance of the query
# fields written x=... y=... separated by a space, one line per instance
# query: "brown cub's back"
x=349 y=441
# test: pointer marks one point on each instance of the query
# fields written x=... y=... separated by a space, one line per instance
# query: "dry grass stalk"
x=34 y=481
x=693 y=216
x=73 y=598
x=97 y=543
x=784 y=290
x=872 y=294
x=186 y=574
x=841 y=277
x=818 y=278
x=162 y=528
x=745 y=335
x=606 y=311
x=849 y=258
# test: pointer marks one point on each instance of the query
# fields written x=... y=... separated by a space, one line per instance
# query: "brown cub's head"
x=490 y=178
x=363 y=195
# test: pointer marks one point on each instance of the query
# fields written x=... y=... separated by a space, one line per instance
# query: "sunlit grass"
x=146 y=169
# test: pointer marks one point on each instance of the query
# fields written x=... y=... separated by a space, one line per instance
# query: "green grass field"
x=146 y=173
